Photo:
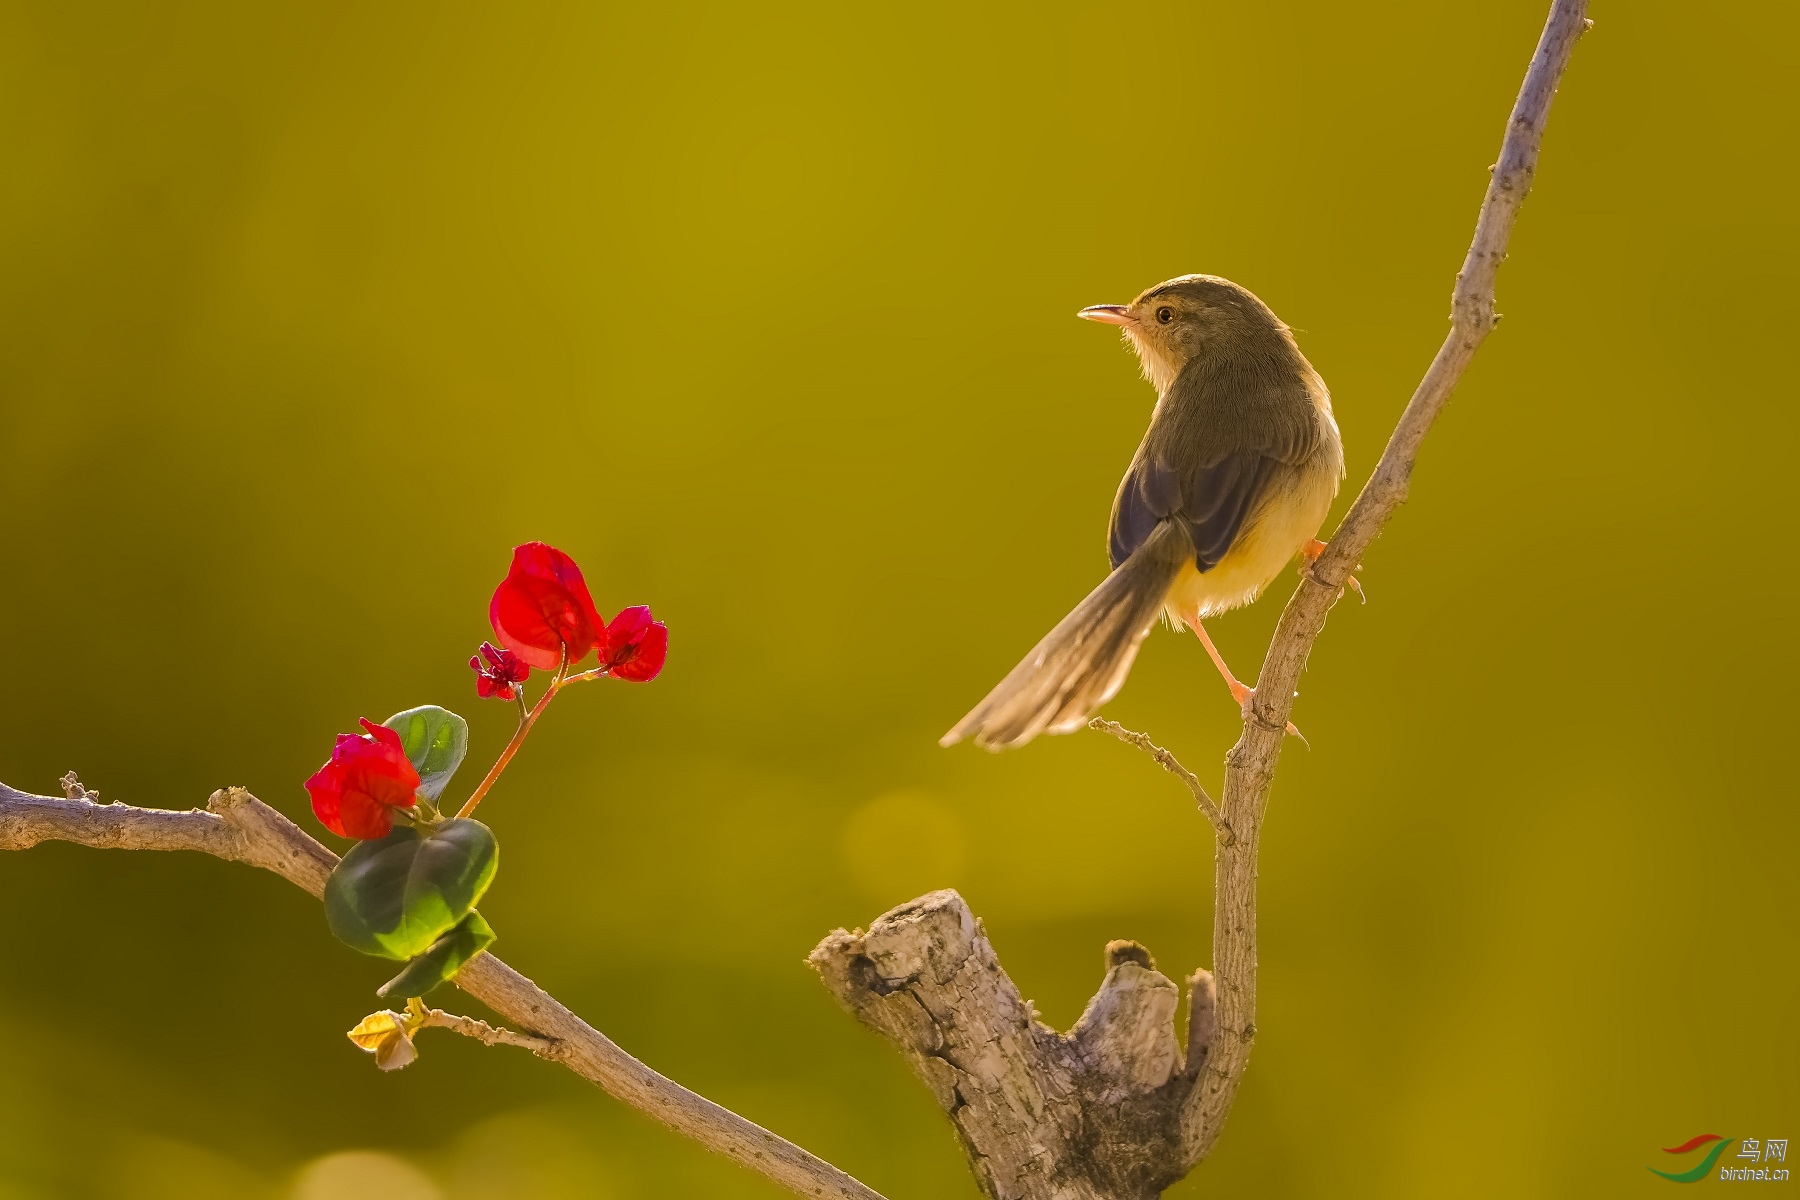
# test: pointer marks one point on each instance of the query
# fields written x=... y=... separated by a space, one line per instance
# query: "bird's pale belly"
x=1286 y=522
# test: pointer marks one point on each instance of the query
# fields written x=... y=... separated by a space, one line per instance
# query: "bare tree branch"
x=1172 y=765
x=237 y=826
x=1250 y=766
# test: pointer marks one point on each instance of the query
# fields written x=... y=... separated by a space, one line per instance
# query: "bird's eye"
x=1164 y=315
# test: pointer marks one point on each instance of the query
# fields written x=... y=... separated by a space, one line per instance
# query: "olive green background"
x=309 y=313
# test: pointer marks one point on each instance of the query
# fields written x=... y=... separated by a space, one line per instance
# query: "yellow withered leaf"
x=388 y=1036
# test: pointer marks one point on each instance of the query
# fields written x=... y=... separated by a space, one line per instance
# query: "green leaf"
x=442 y=960
x=435 y=740
x=394 y=896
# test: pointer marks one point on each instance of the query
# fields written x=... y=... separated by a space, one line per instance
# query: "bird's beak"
x=1109 y=314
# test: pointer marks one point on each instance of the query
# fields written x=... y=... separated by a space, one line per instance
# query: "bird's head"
x=1192 y=315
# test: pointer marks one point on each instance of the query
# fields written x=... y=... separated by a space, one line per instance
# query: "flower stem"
x=518 y=737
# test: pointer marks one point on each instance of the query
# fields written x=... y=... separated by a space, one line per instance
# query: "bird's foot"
x=1245 y=695
x=1309 y=553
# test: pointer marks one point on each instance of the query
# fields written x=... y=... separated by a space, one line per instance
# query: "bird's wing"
x=1210 y=500
x=1217 y=440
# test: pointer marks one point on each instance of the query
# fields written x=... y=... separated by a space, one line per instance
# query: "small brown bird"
x=1232 y=480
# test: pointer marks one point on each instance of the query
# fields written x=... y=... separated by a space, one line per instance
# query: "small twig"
x=1169 y=763
x=481 y=1031
x=388 y=1035
x=71 y=786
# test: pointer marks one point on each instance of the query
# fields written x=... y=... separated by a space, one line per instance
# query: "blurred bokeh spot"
x=363 y=1175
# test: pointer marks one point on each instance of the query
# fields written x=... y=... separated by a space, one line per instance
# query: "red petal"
x=502 y=671
x=625 y=632
x=366 y=777
x=324 y=788
x=365 y=817
x=543 y=605
x=382 y=734
x=645 y=660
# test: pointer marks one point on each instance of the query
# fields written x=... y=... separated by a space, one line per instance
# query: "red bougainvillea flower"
x=354 y=794
x=542 y=606
x=635 y=646
x=501 y=675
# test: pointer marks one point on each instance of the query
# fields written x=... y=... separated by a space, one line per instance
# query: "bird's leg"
x=1310 y=553
x=1240 y=692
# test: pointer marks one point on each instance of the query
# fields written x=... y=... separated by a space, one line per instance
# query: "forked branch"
x=1087 y=1115
x=926 y=978
x=1172 y=765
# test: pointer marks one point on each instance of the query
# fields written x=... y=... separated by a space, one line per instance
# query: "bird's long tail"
x=1083 y=661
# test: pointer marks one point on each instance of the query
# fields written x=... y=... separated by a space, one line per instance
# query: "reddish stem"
x=518 y=737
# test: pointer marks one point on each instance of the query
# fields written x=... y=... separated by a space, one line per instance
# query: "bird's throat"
x=1158 y=367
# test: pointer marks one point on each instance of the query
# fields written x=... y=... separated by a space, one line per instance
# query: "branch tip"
x=1121 y=952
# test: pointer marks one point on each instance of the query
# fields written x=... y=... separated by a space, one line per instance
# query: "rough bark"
x=1093 y=1114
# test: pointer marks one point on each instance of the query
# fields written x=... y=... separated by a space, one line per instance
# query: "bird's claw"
x=1245 y=696
x=1309 y=554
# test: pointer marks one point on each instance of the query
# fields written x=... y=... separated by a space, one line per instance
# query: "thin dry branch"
x=489 y=1035
x=1172 y=765
x=1250 y=766
x=388 y=1035
x=237 y=826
